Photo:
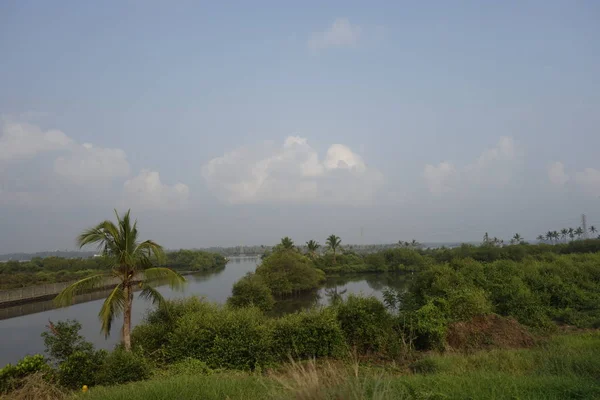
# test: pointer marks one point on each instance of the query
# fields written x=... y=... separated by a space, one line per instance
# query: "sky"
x=230 y=123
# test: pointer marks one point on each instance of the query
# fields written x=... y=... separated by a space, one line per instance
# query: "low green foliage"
x=11 y=375
x=251 y=290
x=306 y=334
x=365 y=322
x=81 y=368
x=122 y=366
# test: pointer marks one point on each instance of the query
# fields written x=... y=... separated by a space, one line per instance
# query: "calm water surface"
x=20 y=327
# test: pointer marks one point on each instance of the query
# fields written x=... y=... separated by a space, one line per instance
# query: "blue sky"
x=241 y=122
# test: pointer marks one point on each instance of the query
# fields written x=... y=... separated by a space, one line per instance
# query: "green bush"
x=314 y=333
x=365 y=322
x=81 y=368
x=122 y=366
x=11 y=375
x=286 y=272
x=429 y=323
x=251 y=291
x=222 y=337
x=465 y=303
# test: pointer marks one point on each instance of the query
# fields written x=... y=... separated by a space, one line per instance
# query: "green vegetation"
x=566 y=367
x=251 y=290
x=287 y=271
x=39 y=271
x=131 y=262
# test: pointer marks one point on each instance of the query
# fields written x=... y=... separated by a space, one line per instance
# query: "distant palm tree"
x=563 y=233
x=579 y=232
x=540 y=238
x=287 y=243
x=131 y=264
x=556 y=236
x=549 y=236
x=333 y=242
x=312 y=246
x=593 y=229
x=517 y=238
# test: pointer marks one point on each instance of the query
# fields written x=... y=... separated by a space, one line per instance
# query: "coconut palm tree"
x=555 y=236
x=333 y=242
x=593 y=229
x=540 y=238
x=131 y=264
x=287 y=243
x=549 y=236
x=564 y=232
x=517 y=238
x=312 y=246
x=579 y=232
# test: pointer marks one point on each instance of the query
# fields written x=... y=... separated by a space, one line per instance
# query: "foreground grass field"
x=565 y=367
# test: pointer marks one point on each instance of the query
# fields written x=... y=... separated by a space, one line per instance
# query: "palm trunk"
x=127 y=317
x=334 y=256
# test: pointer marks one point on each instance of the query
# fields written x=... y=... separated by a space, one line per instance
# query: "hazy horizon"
x=221 y=125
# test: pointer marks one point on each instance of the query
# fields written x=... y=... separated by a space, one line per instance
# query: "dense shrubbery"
x=38 y=271
x=287 y=271
x=195 y=260
x=251 y=290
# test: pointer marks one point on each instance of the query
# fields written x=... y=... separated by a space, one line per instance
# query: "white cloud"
x=440 y=179
x=88 y=164
x=340 y=34
x=148 y=192
x=589 y=180
x=557 y=174
x=23 y=140
x=494 y=167
x=292 y=173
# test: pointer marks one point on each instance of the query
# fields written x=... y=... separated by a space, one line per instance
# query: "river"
x=21 y=326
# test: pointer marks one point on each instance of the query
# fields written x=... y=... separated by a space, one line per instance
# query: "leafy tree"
x=288 y=272
x=333 y=242
x=251 y=291
x=131 y=263
x=312 y=247
x=63 y=339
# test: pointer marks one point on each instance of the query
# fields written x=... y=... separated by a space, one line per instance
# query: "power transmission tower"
x=584 y=226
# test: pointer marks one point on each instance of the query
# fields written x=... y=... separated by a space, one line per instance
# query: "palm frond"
x=157 y=274
x=112 y=308
x=151 y=294
x=65 y=298
x=150 y=249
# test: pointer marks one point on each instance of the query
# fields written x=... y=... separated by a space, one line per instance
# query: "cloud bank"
x=292 y=173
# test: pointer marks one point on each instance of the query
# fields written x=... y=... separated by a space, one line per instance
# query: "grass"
x=565 y=367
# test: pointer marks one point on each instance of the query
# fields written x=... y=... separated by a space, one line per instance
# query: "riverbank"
x=565 y=367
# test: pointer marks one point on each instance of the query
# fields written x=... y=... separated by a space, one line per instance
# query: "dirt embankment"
x=486 y=332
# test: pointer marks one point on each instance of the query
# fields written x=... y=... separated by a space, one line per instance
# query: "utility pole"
x=584 y=226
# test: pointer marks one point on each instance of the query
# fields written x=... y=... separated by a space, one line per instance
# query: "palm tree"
x=312 y=246
x=333 y=242
x=287 y=243
x=563 y=233
x=593 y=229
x=555 y=235
x=131 y=264
x=540 y=238
x=517 y=238
x=549 y=236
x=579 y=232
